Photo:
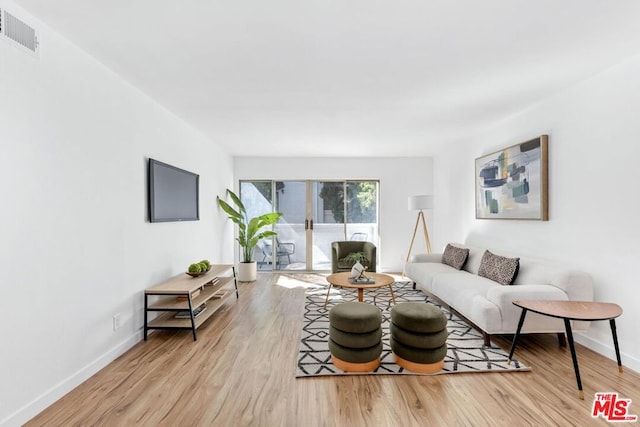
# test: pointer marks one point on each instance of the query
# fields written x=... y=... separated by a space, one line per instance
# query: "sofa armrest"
x=503 y=296
x=426 y=258
x=578 y=285
x=369 y=250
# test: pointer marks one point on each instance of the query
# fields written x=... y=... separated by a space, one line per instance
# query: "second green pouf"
x=418 y=336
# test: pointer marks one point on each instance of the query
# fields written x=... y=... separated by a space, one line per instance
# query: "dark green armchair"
x=339 y=250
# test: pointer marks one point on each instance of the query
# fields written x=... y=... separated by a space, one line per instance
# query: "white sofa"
x=487 y=305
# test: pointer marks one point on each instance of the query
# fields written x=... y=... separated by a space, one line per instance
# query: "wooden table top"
x=342 y=279
x=572 y=310
x=183 y=283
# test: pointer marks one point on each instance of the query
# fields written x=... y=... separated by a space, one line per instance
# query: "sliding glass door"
x=315 y=214
x=291 y=241
x=327 y=204
x=342 y=210
x=257 y=198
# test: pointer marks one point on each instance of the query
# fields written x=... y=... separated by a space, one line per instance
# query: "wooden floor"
x=241 y=371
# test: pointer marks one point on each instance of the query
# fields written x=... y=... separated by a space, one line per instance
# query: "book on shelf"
x=183 y=298
x=185 y=314
x=219 y=294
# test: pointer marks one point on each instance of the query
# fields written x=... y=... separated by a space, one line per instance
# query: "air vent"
x=19 y=32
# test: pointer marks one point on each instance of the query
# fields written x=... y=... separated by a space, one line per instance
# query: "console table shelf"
x=185 y=293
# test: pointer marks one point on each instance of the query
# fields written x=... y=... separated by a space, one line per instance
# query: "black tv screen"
x=173 y=193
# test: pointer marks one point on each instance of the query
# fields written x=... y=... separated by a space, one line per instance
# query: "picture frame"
x=512 y=183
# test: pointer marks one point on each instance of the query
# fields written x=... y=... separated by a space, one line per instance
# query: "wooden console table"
x=185 y=294
x=572 y=310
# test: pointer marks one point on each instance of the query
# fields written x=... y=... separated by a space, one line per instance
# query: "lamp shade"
x=418 y=203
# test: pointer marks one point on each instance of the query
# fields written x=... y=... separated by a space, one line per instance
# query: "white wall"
x=75 y=246
x=594 y=201
x=399 y=178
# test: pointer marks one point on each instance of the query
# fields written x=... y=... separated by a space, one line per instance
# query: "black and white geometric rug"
x=466 y=350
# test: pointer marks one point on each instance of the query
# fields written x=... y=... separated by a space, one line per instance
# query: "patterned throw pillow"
x=498 y=268
x=455 y=256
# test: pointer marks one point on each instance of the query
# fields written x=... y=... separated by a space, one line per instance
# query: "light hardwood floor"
x=241 y=371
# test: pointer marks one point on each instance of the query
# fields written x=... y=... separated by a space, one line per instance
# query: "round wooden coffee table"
x=342 y=279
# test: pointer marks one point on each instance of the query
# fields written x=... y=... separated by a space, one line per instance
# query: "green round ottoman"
x=355 y=336
x=418 y=336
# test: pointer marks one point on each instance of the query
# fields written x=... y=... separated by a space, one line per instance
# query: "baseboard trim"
x=607 y=350
x=56 y=392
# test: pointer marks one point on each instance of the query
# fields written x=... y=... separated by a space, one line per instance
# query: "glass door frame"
x=310 y=219
x=372 y=232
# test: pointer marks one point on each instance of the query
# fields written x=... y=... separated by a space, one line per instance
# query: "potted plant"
x=355 y=257
x=249 y=233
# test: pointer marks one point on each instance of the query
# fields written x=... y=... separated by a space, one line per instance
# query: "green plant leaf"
x=234 y=215
x=236 y=200
x=254 y=241
x=249 y=230
x=356 y=257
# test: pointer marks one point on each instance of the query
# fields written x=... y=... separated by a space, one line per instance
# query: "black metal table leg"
x=612 y=323
x=235 y=282
x=567 y=326
x=515 y=337
x=193 y=320
x=146 y=304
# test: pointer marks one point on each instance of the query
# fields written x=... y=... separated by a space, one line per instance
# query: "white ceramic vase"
x=357 y=271
x=247 y=271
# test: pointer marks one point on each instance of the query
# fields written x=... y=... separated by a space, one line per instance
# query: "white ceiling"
x=348 y=77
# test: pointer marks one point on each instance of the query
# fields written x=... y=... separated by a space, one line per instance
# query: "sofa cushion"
x=424 y=276
x=455 y=256
x=474 y=259
x=498 y=268
x=458 y=290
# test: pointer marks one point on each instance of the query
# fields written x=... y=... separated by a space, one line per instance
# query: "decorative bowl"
x=197 y=274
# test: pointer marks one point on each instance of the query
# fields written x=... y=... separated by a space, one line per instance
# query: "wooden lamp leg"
x=426 y=232
x=413 y=238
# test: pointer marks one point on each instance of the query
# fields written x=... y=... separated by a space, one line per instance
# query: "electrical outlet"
x=116 y=322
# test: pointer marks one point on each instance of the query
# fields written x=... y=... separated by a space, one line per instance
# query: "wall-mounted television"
x=173 y=193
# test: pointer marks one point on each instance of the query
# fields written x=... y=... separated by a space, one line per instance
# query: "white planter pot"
x=247 y=271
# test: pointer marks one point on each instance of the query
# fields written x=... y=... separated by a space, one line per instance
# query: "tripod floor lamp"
x=420 y=203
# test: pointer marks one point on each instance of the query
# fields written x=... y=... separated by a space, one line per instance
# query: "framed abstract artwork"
x=513 y=183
